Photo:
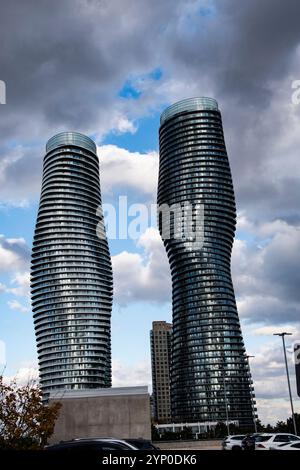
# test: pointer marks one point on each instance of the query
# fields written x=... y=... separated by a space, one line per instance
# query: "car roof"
x=139 y=439
x=277 y=433
x=93 y=440
x=82 y=439
x=90 y=439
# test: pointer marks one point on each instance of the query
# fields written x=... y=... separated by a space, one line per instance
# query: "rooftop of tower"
x=189 y=104
x=71 y=138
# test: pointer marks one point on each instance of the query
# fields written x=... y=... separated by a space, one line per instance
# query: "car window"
x=84 y=446
x=59 y=447
x=113 y=446
x=263 y=438
x=138 y=444
x=237 y=438
x=281 y=438
x=72 y=447
x=294 y=438
x=89 y=446
x=144 y=446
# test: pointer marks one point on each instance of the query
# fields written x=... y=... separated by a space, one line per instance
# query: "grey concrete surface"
x=118 y=415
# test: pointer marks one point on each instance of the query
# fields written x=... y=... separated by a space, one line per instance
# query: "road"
x=189 y=445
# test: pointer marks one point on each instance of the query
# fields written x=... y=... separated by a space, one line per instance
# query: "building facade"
x=210 y=376
x=160 y=338
x=71 y=274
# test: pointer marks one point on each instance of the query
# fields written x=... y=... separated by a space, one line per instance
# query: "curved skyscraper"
x=210 y=377
x=71 y=274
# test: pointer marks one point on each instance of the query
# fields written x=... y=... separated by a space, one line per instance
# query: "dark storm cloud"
x=266 y=276
x=246 y=56
x=63 y=64
x=242 y=47
x=257 y=47
x=65 y=61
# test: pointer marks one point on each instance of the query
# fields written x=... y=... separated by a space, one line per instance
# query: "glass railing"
x=189 y=104
x=71 y=138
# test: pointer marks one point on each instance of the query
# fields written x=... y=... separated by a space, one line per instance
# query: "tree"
x=154 y=433
x=269 y=429
x=25 y=421
x=221 y=430
x=260 y=427
x=186 y=433
x=290 y=424
x=281 y=426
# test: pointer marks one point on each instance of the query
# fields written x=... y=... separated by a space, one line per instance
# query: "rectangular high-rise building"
x=160 y=337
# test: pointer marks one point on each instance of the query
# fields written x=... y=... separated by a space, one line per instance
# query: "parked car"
x=92 y=445
x=288 y=446
x=142 y=444
x=233 y=442
x=268 y=441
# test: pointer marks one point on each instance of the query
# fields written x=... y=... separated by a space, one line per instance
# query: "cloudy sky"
x=108 y=68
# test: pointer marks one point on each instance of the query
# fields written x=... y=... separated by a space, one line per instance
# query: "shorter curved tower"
x=71 y=274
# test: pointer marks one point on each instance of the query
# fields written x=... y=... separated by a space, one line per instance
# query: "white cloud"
x=270 y=330
x=22 y=282
x=143 y=276
x=124 y=375
x=266 y=309
x=270 y=383
x=261 y=230
x=27 y=373
x=272 y=410
x=123 y=124
x=20 y=287
x=13 y=157
x=15 y=305
x=266 y=272
x=121 y=169
x=14 y=253
x=2 y=287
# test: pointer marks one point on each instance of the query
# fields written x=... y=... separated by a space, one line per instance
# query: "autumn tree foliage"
x=25 y=421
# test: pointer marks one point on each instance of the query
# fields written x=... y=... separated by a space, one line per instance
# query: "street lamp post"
x=288 y=376
x=252 y=403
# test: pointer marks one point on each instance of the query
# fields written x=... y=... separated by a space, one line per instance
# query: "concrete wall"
x=110 y=415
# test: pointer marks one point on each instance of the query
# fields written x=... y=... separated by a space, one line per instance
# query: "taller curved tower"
x=71 y=274
x=210 y=377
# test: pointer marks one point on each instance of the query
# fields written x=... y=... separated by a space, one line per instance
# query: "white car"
x=268 y=441
x=233 y=442
x=290 y=446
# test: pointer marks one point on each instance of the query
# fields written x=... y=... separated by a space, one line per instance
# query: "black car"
x=92 y=445
x=141 y=444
